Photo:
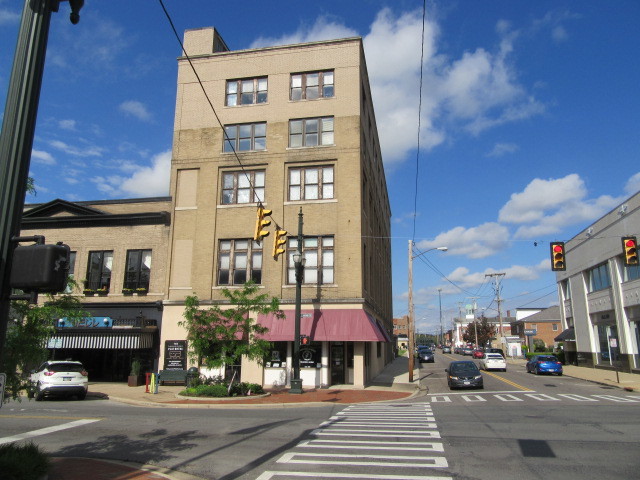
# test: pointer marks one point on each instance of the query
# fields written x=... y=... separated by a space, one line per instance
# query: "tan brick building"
x=301 y=122
x=119 y=260
x=546 y=324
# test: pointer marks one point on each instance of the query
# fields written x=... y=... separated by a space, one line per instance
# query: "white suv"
x=59 y=377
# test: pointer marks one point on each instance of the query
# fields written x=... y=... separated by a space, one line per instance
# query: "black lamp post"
x=298 y=262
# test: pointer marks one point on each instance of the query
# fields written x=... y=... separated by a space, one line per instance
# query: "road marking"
x=616 y=399
x=473 y=398
x=378 y=424
x=440 y=398
x=410 y=461
x=44 y=431
x=347 y=433
x=577 y=398
x=363 y=445
x=269 y=475
x=509 y=398
x=51 y=417
x=513 y=384
x=542 y=397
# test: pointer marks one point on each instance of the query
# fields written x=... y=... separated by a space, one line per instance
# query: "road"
x=519 y=425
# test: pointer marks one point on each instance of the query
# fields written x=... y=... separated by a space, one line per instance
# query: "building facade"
x=600 y=296
x=297 y=133
x=544 y=324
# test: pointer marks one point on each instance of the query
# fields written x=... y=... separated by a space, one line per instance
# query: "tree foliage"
x=486 y=332
x=29 y=328
x=220 y=335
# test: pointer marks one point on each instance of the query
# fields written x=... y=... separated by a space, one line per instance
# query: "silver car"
x=59 y=377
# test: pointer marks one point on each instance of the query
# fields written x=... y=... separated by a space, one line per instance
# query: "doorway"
x=338 y=365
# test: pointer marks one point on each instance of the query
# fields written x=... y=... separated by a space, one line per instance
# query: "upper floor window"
x=138 y=269
x=242 y=187
x=312 y=85
x=99 y=270
x=319 y=260
x=554 y=327
x=245 y=137
x=311 y=183
x=72 y=268
x=566 y=289
x=599 y=278
x=631 y=272
x=246 y=91
x=310 y=132
x=239 y=261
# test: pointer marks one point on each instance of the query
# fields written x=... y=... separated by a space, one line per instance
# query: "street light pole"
x=411 y=325
x=441 y=328
x=298 y=262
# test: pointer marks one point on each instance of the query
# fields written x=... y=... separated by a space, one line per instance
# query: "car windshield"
x=494 y=355
x=65 y=367
x=464 y=367
x=547 y=358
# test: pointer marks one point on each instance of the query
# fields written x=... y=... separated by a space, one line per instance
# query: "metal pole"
x=411 y=338
x=441 y=328
x=296 y=381
x=16 y=139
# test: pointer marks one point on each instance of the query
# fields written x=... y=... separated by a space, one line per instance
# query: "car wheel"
x=39 y=394
x=560 y=374
x=81 y=396
x=537 y=371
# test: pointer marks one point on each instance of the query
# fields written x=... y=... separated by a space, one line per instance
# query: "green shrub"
x=221 y=389
x=22 y=462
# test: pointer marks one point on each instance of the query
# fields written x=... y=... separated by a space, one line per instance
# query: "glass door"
x=337 y=364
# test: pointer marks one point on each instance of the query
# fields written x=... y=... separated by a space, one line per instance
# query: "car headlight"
x=478 y=377
x=455 y=378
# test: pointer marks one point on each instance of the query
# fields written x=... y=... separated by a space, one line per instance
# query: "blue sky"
x=529 y=121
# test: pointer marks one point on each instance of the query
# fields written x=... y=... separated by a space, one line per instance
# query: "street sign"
x=530 y=332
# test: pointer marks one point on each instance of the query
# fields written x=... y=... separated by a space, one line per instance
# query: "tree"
x=30 y=326
x=221 y=335
x=486 y=332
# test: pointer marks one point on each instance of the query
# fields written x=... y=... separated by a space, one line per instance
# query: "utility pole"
x=411 y=338
x=441 y=328
x=18 y=129
x=497 y=277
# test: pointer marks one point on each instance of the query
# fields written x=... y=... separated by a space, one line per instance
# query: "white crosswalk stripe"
x=389 y=441
x=567 y=398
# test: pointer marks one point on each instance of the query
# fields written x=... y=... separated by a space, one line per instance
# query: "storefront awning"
x=339 y=325
x=569 y=335
x=102 y=340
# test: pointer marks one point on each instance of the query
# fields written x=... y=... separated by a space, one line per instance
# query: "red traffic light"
x=557 y=256
x=630 y=251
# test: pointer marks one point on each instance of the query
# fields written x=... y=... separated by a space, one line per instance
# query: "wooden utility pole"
x=411 y=320
x=496 y=277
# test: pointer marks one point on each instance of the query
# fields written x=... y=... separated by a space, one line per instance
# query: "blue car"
x=544 y=364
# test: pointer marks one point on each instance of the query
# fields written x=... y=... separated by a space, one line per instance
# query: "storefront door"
x=338 y=364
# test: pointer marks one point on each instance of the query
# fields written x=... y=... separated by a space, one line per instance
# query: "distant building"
x=600 y=296
x=545 y=323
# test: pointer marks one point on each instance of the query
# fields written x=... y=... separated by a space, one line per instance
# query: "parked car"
x=446 y=349
x=495 y=350
x=56 y=377
x=464 y=374
x=478 y=353
x=466 y=351
x=425 y=355
x=544 y=364
x=493 y=361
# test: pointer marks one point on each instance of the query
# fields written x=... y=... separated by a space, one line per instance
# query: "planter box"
x=136 y=380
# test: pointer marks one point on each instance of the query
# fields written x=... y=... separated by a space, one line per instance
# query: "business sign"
x=175 y=355
x=530 y=332
x=87 y=322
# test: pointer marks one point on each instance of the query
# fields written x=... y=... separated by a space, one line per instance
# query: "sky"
x=511 y=125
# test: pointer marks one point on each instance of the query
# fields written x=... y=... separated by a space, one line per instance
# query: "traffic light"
x=304 y=340
x=40 y=268
x=557 y=256
x=279 y=242
x=630 y=250
x=261 y=223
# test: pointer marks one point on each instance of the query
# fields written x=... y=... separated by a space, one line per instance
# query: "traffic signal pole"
x=18 y=129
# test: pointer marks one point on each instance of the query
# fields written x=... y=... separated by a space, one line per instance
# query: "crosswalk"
x=374 y=441
x=528 y=397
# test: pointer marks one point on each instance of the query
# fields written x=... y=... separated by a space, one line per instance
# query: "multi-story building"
x=600 y=295
x=296 y=133
x=119 y=252
x=544 y=325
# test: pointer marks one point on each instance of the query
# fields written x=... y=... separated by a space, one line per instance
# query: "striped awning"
x=102 y=340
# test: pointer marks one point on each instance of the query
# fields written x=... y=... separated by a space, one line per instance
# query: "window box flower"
x=88 y=292
x=142 y=291
x=102 y=291
x=127 y=291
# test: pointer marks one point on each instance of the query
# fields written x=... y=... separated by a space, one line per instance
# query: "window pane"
x=311 y=175
x=232 y=87
x=294 y=192
x=310 y=276
x=310 y=243
x=327 y=242
x=258 y=179
x=311 y=139
x=291 y=276
x=327 y=275
x=257 y=260
x=311 y=125
x=327 y=138
x=327 y=174
x=312 y=258
x=224 y=261
x=262 y=84
x=296 y=81
x=244 y=144
x=245 y=131
x=294 y=177
x=225 y=245
x=261 y=97
x=230 y=131
x=327 y=91
x=259 y=195
x=239 y=277
x=296 y=93
x=295 y=126
x=311 y=192
x=313 y=93
x=223 y=277
x=227 y=180
x=244 y=195
x=327 y=78
x=246 y=98
x=295 y=141
x=240 y=261
x=247 y=86
x=260 y=143
x=232 y=100
x=327 y=258
x=228 y=145
x=327 y=191
x=242 y=244
x=260 y=129
x=312 y=79
x=243 y=181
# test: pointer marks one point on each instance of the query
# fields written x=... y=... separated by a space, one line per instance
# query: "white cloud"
x=548 y=206
x=150 y=181
x=67 y=124
x=633 y=185
x=464 y=278
x=500 y=149
x=40 y=156
x=87 y=151
x=475 y=242
x=136 y=109
x=323 y=29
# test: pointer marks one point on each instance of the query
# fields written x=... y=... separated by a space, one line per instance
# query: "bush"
x=22 y=462
x=222 y=390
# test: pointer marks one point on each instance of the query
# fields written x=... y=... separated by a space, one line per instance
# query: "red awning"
x=341 y=325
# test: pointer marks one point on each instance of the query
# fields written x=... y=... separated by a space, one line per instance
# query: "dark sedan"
x=464 y=374
x=544 y=364
x=425 y=355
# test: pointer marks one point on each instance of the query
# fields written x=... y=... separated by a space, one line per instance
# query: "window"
x=138 y=270
x=72 y=264
x=599 y=278
x=99 y=270
x=312 y=85
x=246 y=91
x=242 y=187
x=245 y=137
x=319 y=261
x=239 y=261
x=311 y=132
x=566 y=289
x=631 y=272
x=315 y=183
x=554 y=327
